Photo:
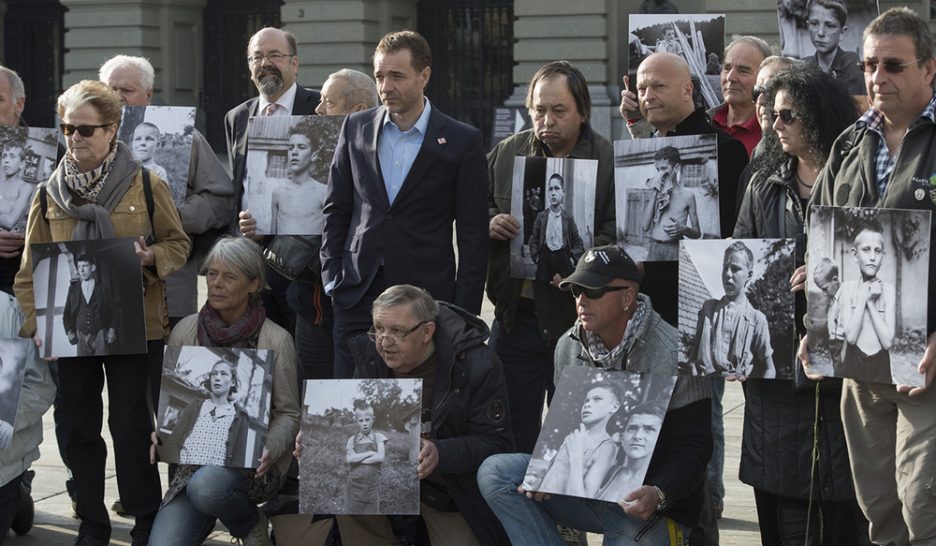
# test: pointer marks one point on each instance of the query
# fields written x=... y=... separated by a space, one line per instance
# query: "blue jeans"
x=533 y=522
x=213 y=492
x=716 y=467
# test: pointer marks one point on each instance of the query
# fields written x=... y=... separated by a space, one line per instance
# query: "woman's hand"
x=154 y=441
x=798 y=280
x=264 y=463
x=248 y=225
x=803 y=355
x=147 y=257
x=297 y=449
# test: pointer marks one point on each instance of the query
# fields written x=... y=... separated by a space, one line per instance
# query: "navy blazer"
x=235 y=132
x=413 y=236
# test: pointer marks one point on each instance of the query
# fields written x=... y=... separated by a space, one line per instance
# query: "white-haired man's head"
x=131 y=77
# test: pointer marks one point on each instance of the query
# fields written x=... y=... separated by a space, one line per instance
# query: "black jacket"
x=660 y=278
x=470 y=416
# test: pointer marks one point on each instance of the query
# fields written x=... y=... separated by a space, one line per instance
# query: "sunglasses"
x=594 y=293
x=786 y=116
x=890 y=66
x=84 y=130
x=757 y=92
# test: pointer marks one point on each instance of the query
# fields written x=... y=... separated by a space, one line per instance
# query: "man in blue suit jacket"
x=402 y=173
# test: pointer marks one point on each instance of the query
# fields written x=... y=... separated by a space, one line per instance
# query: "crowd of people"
x=387 y=298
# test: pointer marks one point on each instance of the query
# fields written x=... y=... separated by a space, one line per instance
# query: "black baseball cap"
x=601 y=265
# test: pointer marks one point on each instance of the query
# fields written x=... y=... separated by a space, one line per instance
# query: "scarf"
x=605 y=357
x=242 y=333
x=101 y=189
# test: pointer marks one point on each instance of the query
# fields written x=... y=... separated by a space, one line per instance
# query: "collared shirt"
x=285 y=102
x=397 y=149
x=749 y=132
x=873 y=120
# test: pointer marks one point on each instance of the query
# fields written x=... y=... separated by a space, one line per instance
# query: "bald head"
x=273 y=61
x=664 y=90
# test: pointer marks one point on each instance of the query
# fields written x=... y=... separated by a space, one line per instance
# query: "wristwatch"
x=662 y=504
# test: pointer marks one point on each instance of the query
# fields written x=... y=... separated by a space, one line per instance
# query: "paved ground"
x=55 y=526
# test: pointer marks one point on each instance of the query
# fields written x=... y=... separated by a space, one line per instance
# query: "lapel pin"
x=441 y=140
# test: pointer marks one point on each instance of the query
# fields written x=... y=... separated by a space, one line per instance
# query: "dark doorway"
x=34 y=46
x=228 y=26
x=472 y=57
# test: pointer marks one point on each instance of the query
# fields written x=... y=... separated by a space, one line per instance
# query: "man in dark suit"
x=402 y=173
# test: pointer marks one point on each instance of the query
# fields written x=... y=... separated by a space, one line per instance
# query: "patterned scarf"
x=88 y=184
x=605 y=357
x=242 y=333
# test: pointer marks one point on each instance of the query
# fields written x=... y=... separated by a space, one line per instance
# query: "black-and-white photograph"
x=160 y=137
x=27 y=157
x=214 y=405
x=666 y=190
x=288 y=158
x=867 y=293
x=360 y=446
x=827 y=34
x=554 y=201
x=736 y=308
x=89 y=298
x=13 y=355
x=599 y=434
x=699 y=39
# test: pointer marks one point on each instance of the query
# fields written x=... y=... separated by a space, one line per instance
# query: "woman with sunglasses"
x=97 y=192
x=808 y=109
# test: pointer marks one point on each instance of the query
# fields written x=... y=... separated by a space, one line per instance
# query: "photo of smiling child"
x=874 y=329
x=160 y=138
x=145 y=141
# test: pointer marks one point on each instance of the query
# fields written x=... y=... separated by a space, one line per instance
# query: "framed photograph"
x=605 y=421
x=288 y=158
x=214 y=405
x=160 y=137
x=27 y=157
x=360 y=446
x=699 y=39
x=666 y=190
x=867 y=293
x=554 y=201
x=736 y=308
x=89 y=298
x=13 y=355
x=827 y=34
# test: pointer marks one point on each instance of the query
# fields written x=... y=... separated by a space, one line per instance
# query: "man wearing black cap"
x=617 y=329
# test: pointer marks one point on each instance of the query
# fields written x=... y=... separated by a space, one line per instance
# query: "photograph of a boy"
x=635 y=449
x=826 y=23
x=588 y=452
x=864 y=310
x=296 y=207
x=732 y=337
x=15 y=193
x=146 y=138
x=365 y=455
x=555 y=244
x=826 y=280
x=672 y=214
x=88 y=318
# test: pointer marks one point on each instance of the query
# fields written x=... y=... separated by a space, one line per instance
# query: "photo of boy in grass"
x=365 y=454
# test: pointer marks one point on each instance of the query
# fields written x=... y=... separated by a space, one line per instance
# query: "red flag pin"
x=441 y=140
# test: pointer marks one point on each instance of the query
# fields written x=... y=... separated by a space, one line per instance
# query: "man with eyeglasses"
x=617 y=329
x=886 y=160
x=465 y=417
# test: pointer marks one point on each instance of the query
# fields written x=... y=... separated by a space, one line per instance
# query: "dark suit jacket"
x=87 y=317
x=235 y=131
x=413 y=236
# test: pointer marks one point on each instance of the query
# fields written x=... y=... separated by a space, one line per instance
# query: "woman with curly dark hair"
x=798 y=502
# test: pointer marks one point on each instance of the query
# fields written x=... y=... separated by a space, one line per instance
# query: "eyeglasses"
x=84 y=130
x=274 y=58
x=395 y=336
x=786 y=116
x=890 y=66
x=594 y=293
x=757 y=92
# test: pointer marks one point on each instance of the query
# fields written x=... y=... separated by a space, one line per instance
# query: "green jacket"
x=555 y=308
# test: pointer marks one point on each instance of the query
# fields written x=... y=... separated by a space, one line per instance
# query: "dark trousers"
x=528 y=370
x=9 y=494
x=353 y=322
x=61 y=436
x=783 y=522
x=276 y=302
x=314 y=345
x=81 y=381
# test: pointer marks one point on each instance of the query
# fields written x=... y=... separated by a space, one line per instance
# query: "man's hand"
x=503 y=227
x=673 y=228
x=297 y=449
x=535 y=495
x=147 y=257
x=798 y=280
x=154 y=441
x=264 y=463
x=927 y=367
x=628 y=100
x=556 y=281
x=11 y=243
x=803 y=355
x=641 y=503
x=248 y=225
x=428 y=459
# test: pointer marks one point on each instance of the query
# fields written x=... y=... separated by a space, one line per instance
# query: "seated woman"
x=233 y=317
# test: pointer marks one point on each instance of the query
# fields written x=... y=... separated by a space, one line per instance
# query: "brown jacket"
x=130 y=219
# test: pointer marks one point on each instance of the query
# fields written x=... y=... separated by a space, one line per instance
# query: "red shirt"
x=749 y=132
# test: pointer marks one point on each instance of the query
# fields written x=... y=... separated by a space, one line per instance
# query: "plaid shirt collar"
x=873 y=120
